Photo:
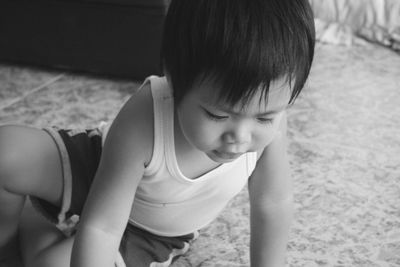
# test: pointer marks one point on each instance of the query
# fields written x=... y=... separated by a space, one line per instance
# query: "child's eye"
x=214 y=116
x=265 y=120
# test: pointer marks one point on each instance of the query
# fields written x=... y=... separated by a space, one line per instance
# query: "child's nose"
x=239 y=136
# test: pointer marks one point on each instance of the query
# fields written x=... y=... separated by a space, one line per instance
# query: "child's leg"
x=29 y=165
x=42 y=244
x=140 y=248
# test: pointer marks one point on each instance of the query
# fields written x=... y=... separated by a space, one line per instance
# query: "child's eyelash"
x=214 y=117
x=265 y=120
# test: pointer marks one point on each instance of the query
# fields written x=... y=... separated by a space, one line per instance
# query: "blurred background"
x=74 y=64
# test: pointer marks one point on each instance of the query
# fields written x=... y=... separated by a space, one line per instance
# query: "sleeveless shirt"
x=166 y=202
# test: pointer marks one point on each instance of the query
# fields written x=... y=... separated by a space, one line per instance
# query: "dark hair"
x=239 y=44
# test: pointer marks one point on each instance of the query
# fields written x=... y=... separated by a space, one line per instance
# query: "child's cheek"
x=206 y=133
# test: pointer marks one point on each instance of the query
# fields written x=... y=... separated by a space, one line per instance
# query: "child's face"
x=224 y=132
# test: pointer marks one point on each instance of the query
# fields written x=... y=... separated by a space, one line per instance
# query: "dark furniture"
x=112 y=37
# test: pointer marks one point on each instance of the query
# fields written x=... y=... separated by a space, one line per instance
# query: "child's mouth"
x=226 y=155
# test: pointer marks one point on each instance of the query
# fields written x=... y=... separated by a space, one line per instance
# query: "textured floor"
x=344 y=146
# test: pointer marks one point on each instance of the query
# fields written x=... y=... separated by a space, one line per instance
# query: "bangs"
x=242 y=46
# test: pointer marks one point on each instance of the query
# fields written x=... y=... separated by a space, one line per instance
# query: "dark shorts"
x=80 y=152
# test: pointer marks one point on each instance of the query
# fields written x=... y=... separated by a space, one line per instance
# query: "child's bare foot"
x=11 y=262
x=9 y=254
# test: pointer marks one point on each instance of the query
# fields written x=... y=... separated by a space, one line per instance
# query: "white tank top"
x=166 y=202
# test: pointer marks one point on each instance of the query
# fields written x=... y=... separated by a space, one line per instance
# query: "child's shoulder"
x=134 y=123
x=139 y=107
x=280 y=138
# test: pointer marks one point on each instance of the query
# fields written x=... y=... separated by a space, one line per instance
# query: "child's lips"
x=227 y=155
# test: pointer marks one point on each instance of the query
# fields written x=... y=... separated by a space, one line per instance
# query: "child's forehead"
x=278 y=98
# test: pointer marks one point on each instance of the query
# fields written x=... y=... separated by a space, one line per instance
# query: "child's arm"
x=127 y=149
x=270 y=189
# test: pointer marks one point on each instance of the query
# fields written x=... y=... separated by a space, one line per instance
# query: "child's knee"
x=30 y=163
